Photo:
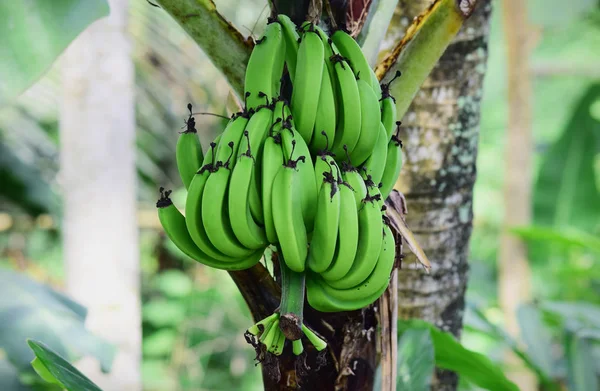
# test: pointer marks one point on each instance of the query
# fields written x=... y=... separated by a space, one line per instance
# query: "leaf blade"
x=60 y=369
x=34 y=33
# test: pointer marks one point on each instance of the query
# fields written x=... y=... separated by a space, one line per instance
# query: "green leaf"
x=34 y=33
x=44 y=373
x=58 y=369
x=581 y=370
x=24 y=185
x=565 y=237
x=565 y=192
x=416 y=360
x=499 y=334
x=536 y=337
x=32 y=310
x=451 y=355
x=579 y=314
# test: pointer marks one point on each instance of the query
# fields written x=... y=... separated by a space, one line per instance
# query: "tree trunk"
x=514 y=275
x=98 y=177
x=440 y=135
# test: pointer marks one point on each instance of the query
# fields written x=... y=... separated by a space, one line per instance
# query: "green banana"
x=249 y=234
x=193 y=206
x=297 y=347
x=370 y=120
x=388 y=107
x=175 y=227
x=260 y=327
x=264 y=67
x=188 y=152
x=349 y=114
x=278 y=350
x=272 y=161
x=325 y=120
x=258 y=127
x=290 y=140
x=291 y=37
x=323 y=164
x=269 y=335
x=330 y=51
x=317 y=342
x=347 y=235
x=393 y=165
x=379 y=276
x=319 y=299
x=287 y=214
x=324 y=239
x=370 y=226
x=375 y=164
x=215 y=214
x=307 y=82
x=376 y=86
x=356 y=182
x=350 y=49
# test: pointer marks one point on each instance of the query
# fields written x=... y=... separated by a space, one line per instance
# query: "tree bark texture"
x=440 y=136
x=98 y=178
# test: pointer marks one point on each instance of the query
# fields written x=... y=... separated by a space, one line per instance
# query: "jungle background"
x=193 y=317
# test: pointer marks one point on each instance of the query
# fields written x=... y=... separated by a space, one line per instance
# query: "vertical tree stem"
x=440 y=135
x=514 y=273
x=98 y=176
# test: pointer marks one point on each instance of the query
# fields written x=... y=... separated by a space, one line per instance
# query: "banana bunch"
x=305 y=167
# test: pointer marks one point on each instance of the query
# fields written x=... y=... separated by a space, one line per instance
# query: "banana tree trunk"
x=440 y=135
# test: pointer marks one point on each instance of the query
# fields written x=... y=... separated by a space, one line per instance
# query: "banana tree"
x=438 y=102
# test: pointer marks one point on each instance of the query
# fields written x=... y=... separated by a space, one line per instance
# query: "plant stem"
x=291 y=309
x=420 y=49
x=225 y=46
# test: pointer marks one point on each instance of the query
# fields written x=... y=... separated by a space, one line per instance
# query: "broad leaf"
x=58 y=370
x=565 y=237
x=24 y=185
x=581 y=367
x=451 y=355
x=578 y=314
x=34 y=33
x=416 y=360
x=566 y=193
x=536 y=337
x=44 y=373
x=494 y=331
x=32 y=310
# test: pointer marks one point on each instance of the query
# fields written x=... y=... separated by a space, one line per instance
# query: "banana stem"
x=291 y=309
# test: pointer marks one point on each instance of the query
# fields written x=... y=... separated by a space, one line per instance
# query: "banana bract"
x=305 y=168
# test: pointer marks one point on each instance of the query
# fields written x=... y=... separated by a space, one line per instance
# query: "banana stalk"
x=291 y=309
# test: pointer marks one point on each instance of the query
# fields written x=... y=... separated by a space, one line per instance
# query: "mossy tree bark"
x=440 y=136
